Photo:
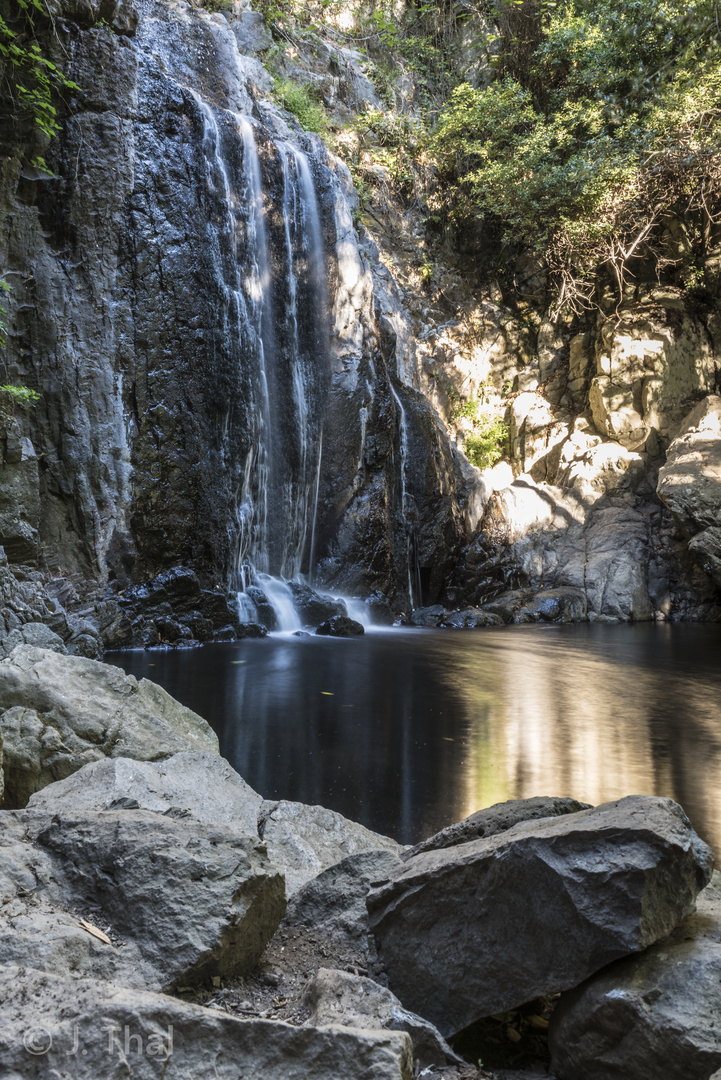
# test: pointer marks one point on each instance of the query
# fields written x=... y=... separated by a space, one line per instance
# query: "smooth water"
x=407 y=731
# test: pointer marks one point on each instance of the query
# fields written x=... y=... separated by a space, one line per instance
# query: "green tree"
x=591 y=139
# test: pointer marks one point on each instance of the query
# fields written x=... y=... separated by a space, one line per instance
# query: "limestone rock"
x=341 y=626
x=181 y=900
x=153 y=1035
x=649 y=1016
x=496 y=819
x=690 y=481
x=305 y=840
x=62 y=712
x=203 y=784
x=469 y=931
x=705 y=548
x=346 y=1000
x=36 y=634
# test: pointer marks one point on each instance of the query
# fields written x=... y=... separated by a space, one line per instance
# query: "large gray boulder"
x=497 y=819
x=472 y=930
x=61 y=712
x=58 y=1026
x=305 y=840
x=347 y=1000
x=180 y=900
x=203 y=784
x=649 y=1016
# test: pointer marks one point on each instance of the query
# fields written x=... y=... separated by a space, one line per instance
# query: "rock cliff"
x=208 y=402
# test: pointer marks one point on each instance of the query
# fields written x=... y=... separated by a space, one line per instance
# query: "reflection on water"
x=407 y=731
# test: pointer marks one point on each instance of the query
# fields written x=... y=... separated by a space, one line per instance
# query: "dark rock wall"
x=122 y=317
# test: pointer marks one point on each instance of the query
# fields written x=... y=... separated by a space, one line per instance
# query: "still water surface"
x=407 y=731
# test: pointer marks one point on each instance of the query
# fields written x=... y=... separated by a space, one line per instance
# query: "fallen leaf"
x=538 y=1023
x=95 y=932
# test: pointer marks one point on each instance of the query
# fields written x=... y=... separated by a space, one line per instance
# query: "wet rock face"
x=148 y=420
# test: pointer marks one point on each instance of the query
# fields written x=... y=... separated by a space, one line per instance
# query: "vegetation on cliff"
x=600 y=129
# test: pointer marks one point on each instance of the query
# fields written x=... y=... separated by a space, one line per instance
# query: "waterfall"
x=276 y=287
x=413 y=567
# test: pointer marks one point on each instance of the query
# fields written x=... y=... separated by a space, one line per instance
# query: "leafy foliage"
x=297 y=99
x=587 y=143
x=35 y=80
x=485 y=445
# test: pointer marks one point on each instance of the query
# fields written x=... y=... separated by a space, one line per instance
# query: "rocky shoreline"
x=159 y=918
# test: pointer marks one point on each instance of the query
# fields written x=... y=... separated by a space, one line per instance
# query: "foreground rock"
x=650 y=1016
x=61 y=712
x=497 y=819
x=180 y=900
x=305 y=840
x=472 y=930
x=337 y=997
x=333 y=904
x=105 y=1031
x=204 y=785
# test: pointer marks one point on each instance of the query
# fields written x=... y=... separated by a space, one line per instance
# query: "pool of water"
x=409 y=730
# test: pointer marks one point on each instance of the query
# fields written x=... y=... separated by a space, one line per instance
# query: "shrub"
x=297 y=99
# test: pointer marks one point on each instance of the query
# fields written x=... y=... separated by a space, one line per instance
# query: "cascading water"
x=277 y=287
x=414 y=582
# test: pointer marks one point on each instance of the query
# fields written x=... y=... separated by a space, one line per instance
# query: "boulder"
x=180 y=900
x=472 y=930
x=61 y=712
x=649 y=1016
x=313 y=607
x=346 y=1000
x=50 y=1024
x=305 y=840
x=470 y=619
x=333 y=904
x=428 y=616
x=340 y=626
x=33 y=633
x=205 y=785
x=497 y=819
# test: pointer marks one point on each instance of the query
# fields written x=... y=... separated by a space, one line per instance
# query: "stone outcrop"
x=651 y=1015
x=496 y=819
x=337 y=997
x=61 y=712
x=305 y=840
x=179 y=900
x=202 y=785
x=87 y=1022
x=469 y=931
x=690 y=483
